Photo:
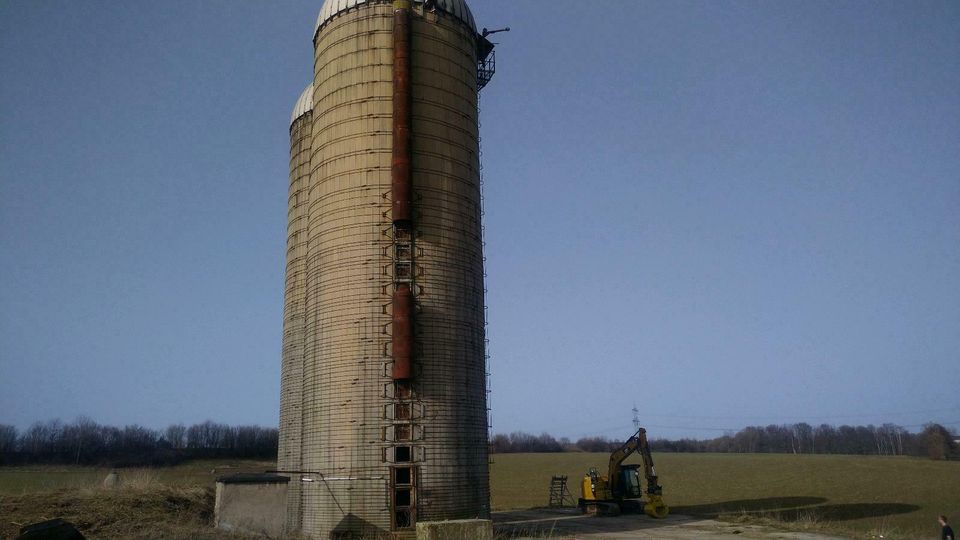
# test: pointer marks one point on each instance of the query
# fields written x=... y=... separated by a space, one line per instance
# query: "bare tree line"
x=87 y=442
x=935 y=441
x=84 y=441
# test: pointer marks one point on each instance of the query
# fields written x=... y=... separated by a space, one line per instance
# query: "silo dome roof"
x=304 y=104
x=457 y=8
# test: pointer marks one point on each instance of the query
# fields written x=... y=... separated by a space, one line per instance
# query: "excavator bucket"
x=656 y=508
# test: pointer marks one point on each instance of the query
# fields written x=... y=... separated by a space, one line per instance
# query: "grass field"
x=172 y=503
x=860 y=496
x=18 y=480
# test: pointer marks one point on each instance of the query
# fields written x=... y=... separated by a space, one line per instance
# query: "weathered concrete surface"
x=571 y=524
x=112 y=480
x=455 y=529
x=255 y=504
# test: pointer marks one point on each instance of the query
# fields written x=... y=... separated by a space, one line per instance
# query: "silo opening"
x=402 y=519
x=401 y=476
x=402 y=390
x=403 y=496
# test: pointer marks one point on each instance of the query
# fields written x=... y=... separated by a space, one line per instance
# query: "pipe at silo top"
x=401 y=174
x=402 y=324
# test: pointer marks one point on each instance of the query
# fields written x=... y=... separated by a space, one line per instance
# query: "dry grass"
x=20 y=480
x=141 y=508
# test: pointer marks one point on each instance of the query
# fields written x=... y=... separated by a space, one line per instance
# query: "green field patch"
x=897 y=497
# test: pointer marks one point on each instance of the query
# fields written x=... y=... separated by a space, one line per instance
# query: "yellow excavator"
x=619 y=491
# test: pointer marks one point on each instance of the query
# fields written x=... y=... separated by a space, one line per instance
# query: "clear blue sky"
x=726 y=213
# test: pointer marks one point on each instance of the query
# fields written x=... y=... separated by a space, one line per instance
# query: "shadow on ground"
x=768 y=504
x=796 y=509
x=843 y=512
x=551 y=522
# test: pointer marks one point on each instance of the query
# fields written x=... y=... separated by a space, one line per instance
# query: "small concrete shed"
x=251 y=503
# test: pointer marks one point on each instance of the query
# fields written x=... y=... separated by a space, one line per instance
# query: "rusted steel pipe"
x=401 y=188
x=402 y=332
x=401 y=173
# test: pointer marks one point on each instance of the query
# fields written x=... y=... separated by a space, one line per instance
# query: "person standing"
x=946 y=533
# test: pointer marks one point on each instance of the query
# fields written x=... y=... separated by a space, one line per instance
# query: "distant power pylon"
x=636 y=418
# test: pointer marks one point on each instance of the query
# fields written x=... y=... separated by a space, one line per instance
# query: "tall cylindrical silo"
x=295 y=298
x=393 y=425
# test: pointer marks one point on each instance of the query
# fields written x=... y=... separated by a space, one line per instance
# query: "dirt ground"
x=571 y=524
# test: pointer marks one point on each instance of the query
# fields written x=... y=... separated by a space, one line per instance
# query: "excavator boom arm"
x=636 y=443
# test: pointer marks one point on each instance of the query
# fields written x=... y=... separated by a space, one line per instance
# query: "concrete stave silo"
x=390 y=430
x=295 y=296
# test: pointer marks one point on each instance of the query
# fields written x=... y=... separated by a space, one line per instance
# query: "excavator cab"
x=629 y=484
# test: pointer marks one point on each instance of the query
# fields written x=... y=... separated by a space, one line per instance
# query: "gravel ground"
x=570 y=524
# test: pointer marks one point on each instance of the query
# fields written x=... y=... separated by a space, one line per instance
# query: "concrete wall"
x=258 y=508
x=451 y=366
x=347 y=287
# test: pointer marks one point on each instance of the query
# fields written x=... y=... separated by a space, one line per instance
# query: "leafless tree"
x=8 y=438
x=175 y=434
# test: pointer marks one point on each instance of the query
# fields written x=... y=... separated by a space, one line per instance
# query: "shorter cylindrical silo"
x=289 y=457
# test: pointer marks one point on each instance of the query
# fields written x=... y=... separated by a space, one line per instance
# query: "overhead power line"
x=699 y=428
x=625 y=427
x=802 y=417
